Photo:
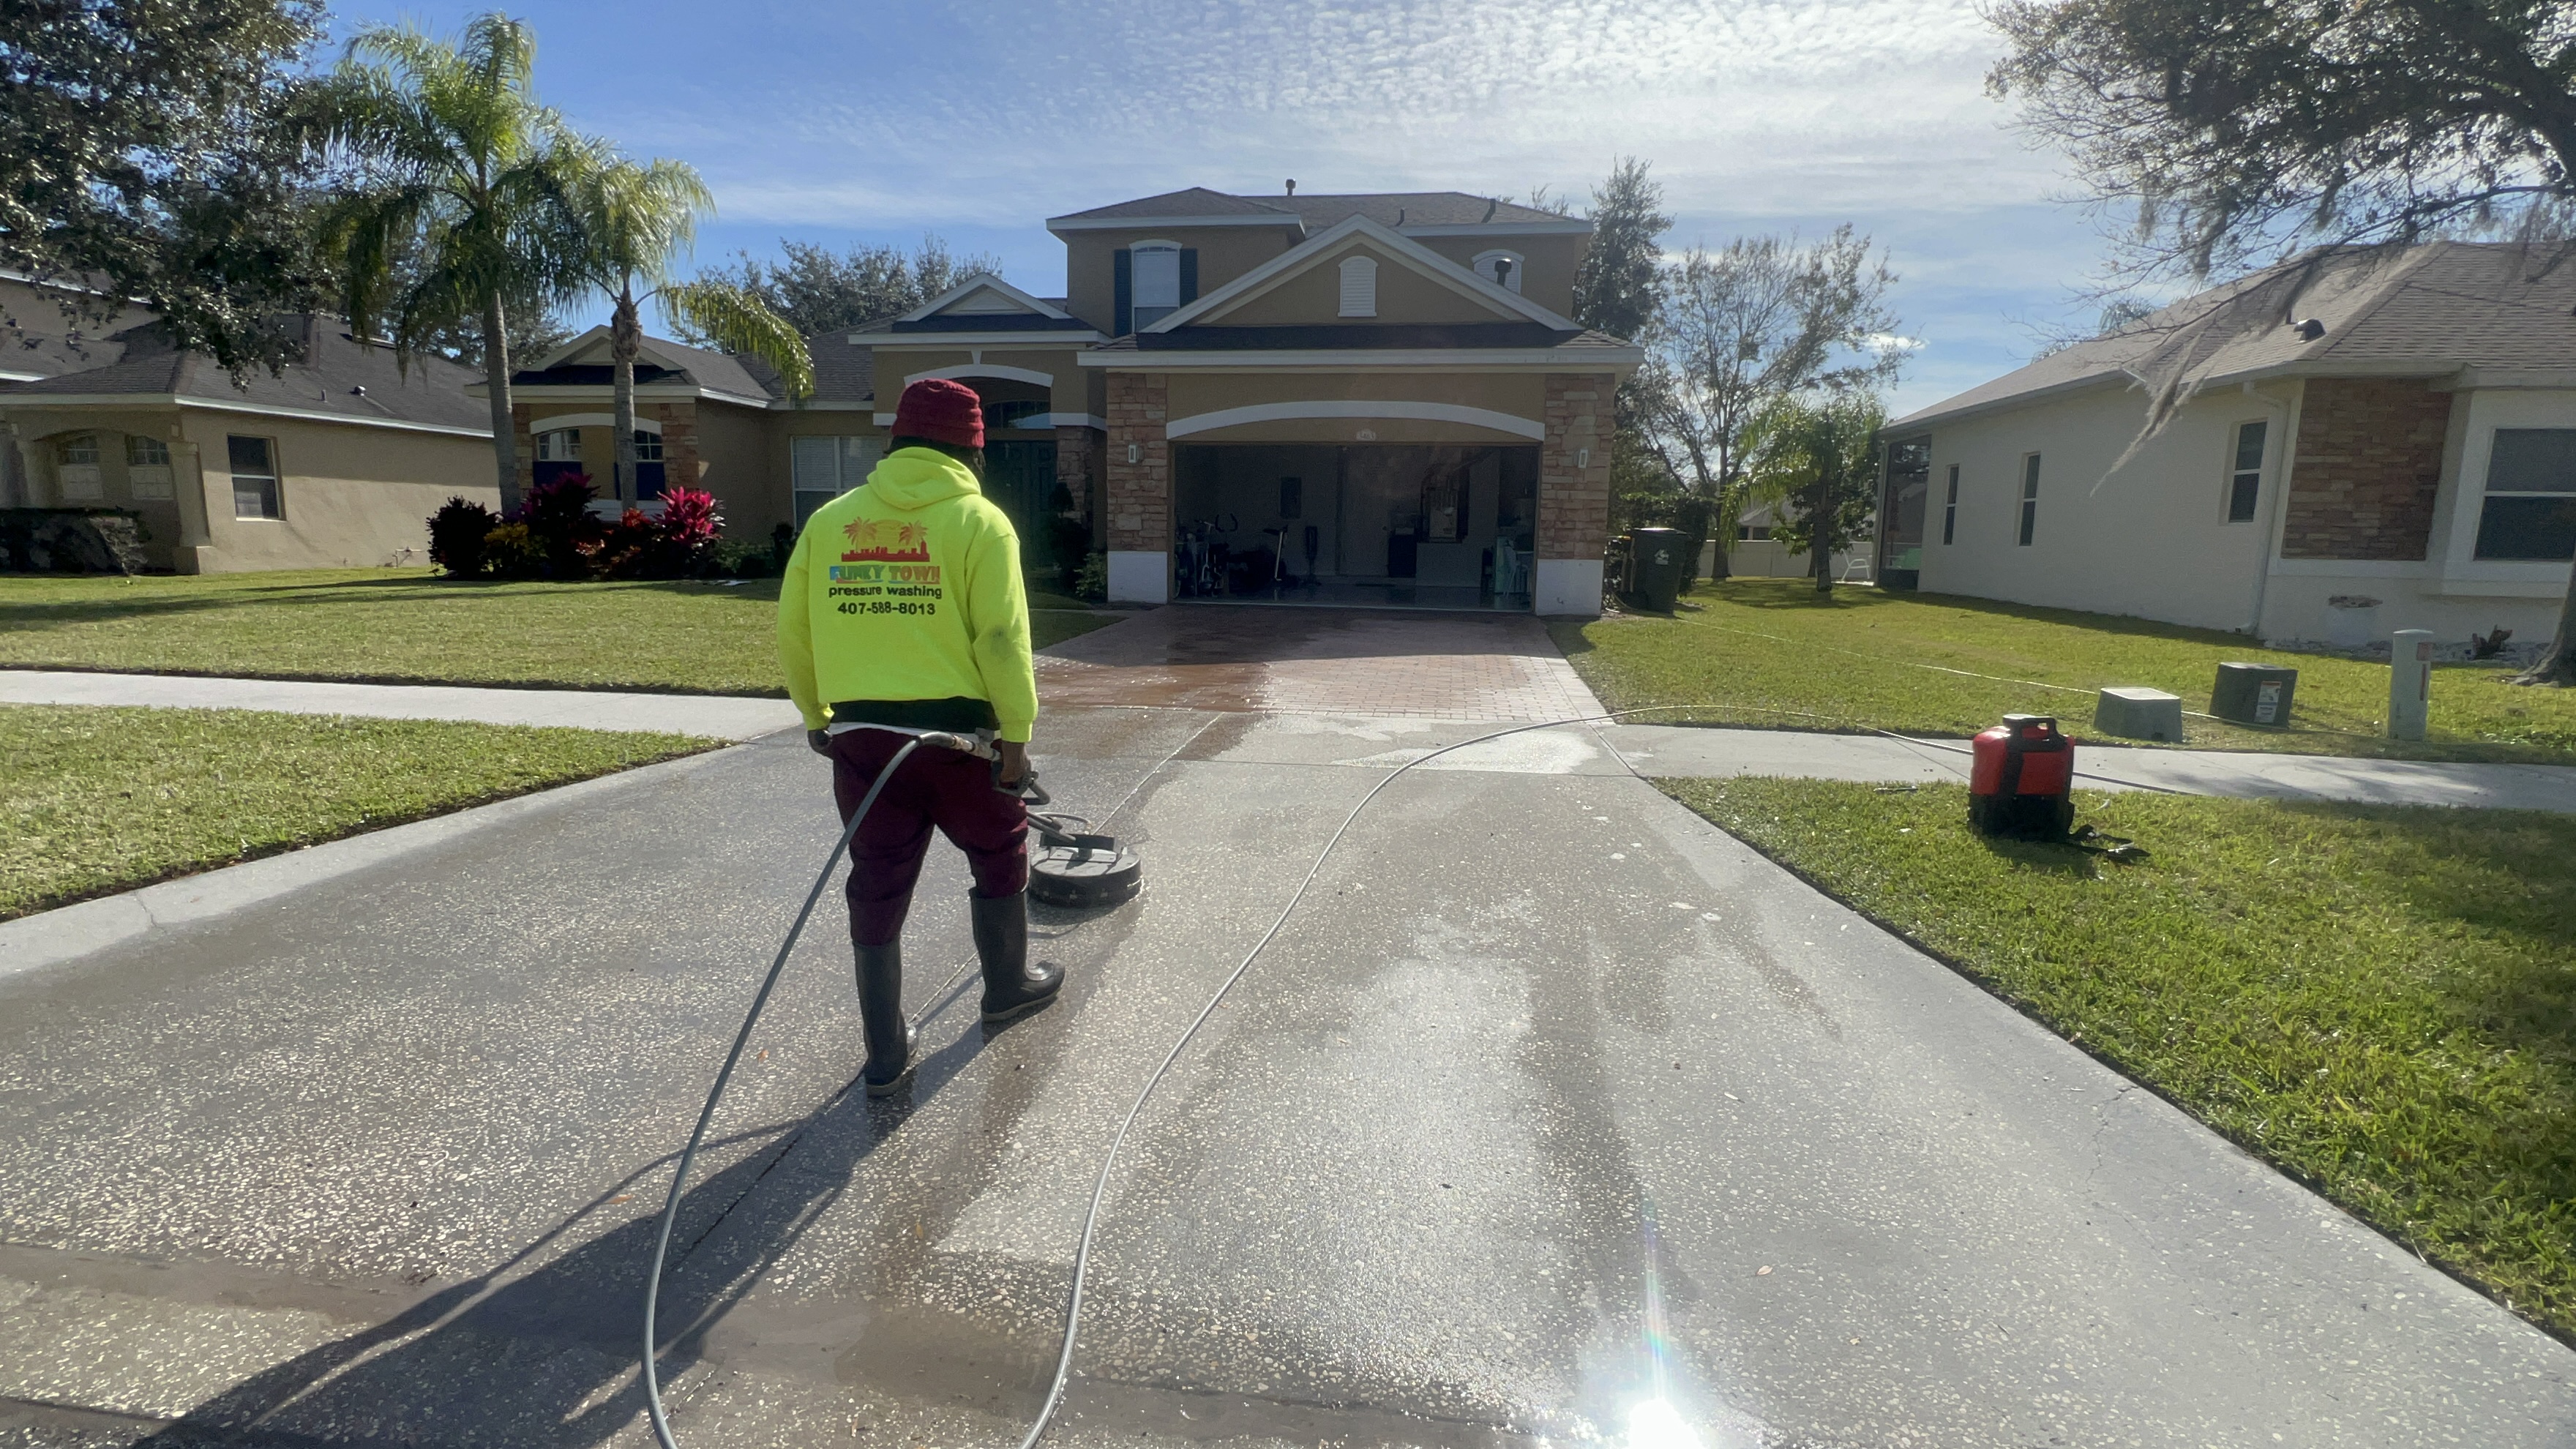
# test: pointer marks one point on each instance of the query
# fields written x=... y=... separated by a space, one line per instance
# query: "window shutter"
x=1359 y=287
x=1122 y=272
x=1189 y=275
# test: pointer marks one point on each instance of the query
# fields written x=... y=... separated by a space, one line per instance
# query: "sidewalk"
x=723 y=717
x=1689 y=752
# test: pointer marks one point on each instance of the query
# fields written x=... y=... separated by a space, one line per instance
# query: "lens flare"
x=1656 y=1424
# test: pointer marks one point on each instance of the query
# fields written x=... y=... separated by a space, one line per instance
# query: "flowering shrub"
x=456 y=534
x=512 y=553
x=560 y=524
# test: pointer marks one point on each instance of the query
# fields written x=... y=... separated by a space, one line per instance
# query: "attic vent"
x=2310 y=329
x=1359 y=287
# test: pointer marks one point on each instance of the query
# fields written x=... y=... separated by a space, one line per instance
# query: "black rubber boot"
x=889 y=1036
x=1012 y=987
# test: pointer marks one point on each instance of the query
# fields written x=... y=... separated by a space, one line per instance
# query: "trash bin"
x=1655 y=568
x=2254 y=694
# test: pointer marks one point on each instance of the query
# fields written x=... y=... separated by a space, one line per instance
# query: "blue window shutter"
x=1189 y=275
x=1123 y=290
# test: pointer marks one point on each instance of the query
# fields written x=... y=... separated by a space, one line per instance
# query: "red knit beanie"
x=942 y=412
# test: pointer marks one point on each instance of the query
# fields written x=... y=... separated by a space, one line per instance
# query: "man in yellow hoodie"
x=902 y=612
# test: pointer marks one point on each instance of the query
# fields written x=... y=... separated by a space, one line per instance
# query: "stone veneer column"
x=1574 y=492
x=1139 y=492
x=527 y=442
x=679 y=443
x=1078 y=467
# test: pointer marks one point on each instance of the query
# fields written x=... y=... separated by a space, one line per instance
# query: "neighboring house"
x=38 y=339
x=1395 y=375
x=2379 y=442
x=1756 y=554
x=336 y=460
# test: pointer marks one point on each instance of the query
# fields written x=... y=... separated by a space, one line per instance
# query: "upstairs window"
x=2245 y=473
x=1503 y=269
x=147 y=468
x=563 y=445
x=2530 y=510
x=1359 y=287
x=1158 y=282
x=648 y=447
x=2029 y=499
x=76 y=472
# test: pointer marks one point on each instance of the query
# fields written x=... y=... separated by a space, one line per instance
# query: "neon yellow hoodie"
x=908 y=588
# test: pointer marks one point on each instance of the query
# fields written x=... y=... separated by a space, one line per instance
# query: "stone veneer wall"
x=1574 y=498
x=679 y=422
x=2369 y=462
x=1139 y=501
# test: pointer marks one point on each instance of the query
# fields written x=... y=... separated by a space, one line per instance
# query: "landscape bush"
x=555 y=534
x=456 y=536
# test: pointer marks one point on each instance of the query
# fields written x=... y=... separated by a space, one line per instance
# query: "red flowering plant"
x=563 y=536
x=685 y=535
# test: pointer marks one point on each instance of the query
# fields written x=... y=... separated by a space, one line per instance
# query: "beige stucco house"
x=336 y=460
x=2377 y=442
x=1395 y=377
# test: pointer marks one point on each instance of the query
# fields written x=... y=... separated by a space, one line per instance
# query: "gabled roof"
x=1423 y=211
x=1506 y=304
x=2428 y=310
x=584 y=362
x=338 y=377
x=985 y=303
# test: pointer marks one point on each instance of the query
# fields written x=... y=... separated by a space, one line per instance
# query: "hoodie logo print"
x=875 y=541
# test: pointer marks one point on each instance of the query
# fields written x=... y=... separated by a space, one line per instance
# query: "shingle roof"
x=428 y=390
x=724 y=372
x=1316 y=211
x=2439 y=307
x=842 y=372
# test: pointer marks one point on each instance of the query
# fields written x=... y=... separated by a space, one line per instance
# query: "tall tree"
x=1738 y=330
x=632 y=223
x=460 y=202
x=1615 y=286
x=819 y=290
x=2222 y=135
x=1816 y=458
x=159 y=153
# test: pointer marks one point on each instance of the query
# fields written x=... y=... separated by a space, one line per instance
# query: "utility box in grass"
x=2139 y=714
x=2254 y=694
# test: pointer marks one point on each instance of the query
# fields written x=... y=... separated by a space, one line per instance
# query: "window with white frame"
x=1359 y=287
x=826 y=468
x=1503 y=269
x=2029 y=499
x=254 y=464
x=1156 y=274
x=648 y=447
x=76 y=474
x=561 y=445
x=1950 y=508
x=2529 y=513
x=2245 y=471
x=147 y=469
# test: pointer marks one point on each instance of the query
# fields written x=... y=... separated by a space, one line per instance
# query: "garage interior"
x=1421 y=526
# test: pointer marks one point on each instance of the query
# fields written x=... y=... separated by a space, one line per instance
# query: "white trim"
x=1566 y=586
x=979 y=282
x=1137 y=576
x=818 y=405
x=1061 y=224
x=1312 y=252
x=1569 y=227
x=1518 y=427
x=1371 y=359
x=37 y=401
x=937 y=341
x=885 y=420
x=1358 y=283
x=985 y=369
x=25 y=376
x=558 y=422
x=567 y=392
x=1063 y=420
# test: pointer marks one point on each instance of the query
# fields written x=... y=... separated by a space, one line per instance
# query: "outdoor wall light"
x=1583 y=457
x=1135 y=452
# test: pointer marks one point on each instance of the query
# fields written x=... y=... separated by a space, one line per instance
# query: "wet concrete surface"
x=377 y=1162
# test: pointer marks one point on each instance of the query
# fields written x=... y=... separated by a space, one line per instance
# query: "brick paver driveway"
x=1320 y=661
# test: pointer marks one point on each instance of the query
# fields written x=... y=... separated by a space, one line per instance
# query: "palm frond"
x=738 y=321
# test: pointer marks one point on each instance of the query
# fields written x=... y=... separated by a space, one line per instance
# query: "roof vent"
x=2310 y=329
x=1292 y=186
x=1492 y=203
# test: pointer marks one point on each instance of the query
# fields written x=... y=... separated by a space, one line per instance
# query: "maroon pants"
x=946 y=788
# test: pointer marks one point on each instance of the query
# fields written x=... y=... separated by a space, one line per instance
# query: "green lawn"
x=2380 y=999
x=404 y=625
x=1776 y=655
x=98 y=800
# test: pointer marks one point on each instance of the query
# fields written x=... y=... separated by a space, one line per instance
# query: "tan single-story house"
x=2366 y=442
x=1370 y=399
x=337 y=460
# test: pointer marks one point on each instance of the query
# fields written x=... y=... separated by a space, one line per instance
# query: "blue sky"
x=839 y=123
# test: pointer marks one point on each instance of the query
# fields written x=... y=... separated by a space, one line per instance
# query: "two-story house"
x=1369 y=399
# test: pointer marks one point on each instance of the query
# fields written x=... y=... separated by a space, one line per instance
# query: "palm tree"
x=629 y=223
x=461 y=201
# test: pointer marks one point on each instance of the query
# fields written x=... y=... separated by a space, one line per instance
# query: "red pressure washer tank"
x=2018 y=785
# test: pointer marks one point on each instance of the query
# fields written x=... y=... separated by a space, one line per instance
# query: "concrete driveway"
x=376 y=1161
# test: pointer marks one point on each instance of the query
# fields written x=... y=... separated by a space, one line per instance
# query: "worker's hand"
x=820 y=741
x=1015 y=763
